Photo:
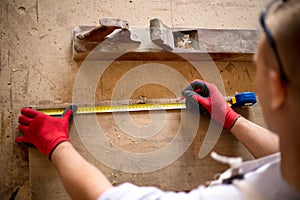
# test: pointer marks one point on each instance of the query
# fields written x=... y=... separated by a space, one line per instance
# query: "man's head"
x=278 y=74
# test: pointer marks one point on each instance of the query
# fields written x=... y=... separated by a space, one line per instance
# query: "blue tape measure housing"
x=244 y=99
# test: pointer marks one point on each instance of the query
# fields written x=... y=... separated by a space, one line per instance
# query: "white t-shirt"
x=265 y=179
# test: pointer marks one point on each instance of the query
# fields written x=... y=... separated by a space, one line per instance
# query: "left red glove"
x=43 y=131
x=205 y=97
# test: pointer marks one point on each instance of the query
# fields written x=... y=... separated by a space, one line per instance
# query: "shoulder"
x=269 y=181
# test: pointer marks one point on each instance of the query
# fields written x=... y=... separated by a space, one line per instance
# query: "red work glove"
x=205 y=97
x=43 y=131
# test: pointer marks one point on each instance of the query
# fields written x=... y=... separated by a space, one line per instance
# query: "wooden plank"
x=188 y=171
x=166 y=56
x=45 y=183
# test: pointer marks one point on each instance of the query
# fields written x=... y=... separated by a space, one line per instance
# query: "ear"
x=278 y=90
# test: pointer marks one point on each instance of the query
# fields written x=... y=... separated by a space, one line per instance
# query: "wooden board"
x=186 y=172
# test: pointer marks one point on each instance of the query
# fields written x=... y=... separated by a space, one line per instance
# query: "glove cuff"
x=231 y=118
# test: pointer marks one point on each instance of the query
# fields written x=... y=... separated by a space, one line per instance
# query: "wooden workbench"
x=36 y=68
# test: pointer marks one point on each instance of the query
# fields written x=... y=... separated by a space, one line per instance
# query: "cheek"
x=261 y=77
x=263 y=94
x=259 y=81
x=261 y=85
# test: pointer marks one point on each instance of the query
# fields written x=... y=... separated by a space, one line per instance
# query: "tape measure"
x=239 y=100
x=243 y=99
x=117 y=108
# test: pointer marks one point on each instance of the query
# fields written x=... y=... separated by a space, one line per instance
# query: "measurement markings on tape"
x=117 y=108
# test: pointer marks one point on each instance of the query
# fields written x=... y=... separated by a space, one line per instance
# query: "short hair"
x=285 y=27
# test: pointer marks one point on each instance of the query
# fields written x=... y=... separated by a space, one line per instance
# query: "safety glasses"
x=271 y=6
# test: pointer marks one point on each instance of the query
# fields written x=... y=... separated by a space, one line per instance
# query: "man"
x=271 y=177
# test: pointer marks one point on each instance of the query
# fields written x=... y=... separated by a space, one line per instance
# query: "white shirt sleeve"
x=265 y=179
x=128 y=191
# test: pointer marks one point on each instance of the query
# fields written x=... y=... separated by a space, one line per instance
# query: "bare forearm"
x=81 y=179
x=258 y=140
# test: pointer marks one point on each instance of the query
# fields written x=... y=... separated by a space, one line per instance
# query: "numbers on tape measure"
x=117 y=108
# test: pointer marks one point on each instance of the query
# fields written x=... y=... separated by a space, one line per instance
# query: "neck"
x=290 y=160
x=288 y=131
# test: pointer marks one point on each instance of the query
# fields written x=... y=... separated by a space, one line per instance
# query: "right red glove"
x=205 y=97
x=43 y=131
